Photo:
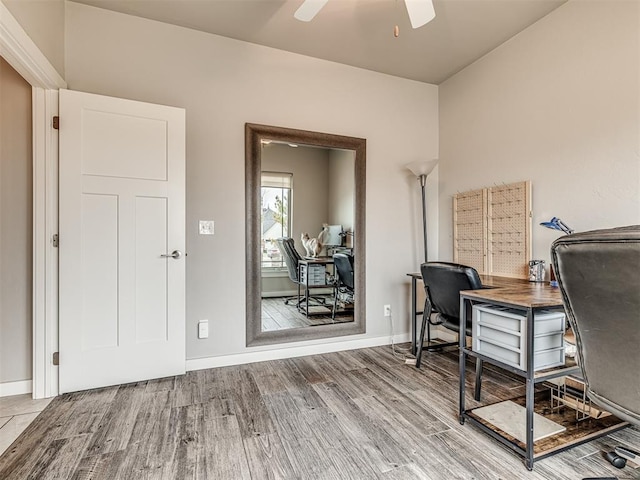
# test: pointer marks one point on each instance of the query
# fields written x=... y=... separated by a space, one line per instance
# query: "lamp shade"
x=422 y=167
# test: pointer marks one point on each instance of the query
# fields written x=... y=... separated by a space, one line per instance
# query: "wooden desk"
x=491 y=281
x=528 y=298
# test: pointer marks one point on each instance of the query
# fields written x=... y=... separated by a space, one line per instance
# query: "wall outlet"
x=203 y=329
x=387 y=310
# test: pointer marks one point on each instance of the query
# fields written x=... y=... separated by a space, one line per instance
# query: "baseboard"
x=444 y=334
x=293 y=293
x=285 y=293
x=16 y=388
x=291 y=352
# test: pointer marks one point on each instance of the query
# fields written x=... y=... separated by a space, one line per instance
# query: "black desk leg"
x=462 y=360
x=414 y=343
x=530 y=391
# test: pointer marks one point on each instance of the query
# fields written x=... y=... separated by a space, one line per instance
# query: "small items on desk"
x=536 y=271
x=552 y=277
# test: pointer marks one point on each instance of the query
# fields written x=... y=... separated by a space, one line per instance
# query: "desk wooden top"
x=529 y=295
x=488 y=280
x=513 y=291
x=319 y=260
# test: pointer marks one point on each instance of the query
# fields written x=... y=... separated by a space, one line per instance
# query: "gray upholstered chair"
x=599 y=277
x=291 y=258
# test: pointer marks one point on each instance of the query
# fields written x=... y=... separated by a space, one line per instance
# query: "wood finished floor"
x=360 y=414
x=276 y=315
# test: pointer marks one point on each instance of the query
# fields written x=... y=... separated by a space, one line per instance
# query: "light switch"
x=206 y=227
x=203 y=329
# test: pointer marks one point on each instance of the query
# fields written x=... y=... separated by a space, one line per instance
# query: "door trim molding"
x=17 y=48
x=45 y=255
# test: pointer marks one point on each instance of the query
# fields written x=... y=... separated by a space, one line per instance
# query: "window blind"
x=277 y=179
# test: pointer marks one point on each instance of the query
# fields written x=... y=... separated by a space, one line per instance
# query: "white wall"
x=15 y=225
x=43 y=21
x=342 y=188
x=224 y=83
x=559 y=105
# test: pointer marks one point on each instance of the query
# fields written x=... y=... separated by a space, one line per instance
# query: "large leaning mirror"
x=305 y=214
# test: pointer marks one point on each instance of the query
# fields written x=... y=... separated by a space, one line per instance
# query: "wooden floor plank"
x=251 y=413
x=267 y=458
x=379 y=447
x=118 y=422
x=299 y=440
x=410 y=471
x=22 y=456
x=89 y=409
x=220 y=449
x=100 y=467
x=302 y=391
x=361 y=415
x=61 y=458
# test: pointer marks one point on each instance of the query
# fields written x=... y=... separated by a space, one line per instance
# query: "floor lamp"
x=421 y=169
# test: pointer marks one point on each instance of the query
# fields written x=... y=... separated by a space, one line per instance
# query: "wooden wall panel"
x=509 y=230
x=492 y=229
x=469 y=229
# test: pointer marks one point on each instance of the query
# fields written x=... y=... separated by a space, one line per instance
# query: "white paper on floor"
x=511 y=418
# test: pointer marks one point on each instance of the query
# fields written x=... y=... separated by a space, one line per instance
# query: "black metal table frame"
x=414 y=312
x=307 y=288
x=531 y=378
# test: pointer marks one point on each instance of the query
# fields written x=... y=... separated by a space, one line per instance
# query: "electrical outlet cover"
x=203 y=329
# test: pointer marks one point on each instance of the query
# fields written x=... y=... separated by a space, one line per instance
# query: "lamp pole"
x=421 y=169
x=423 y=185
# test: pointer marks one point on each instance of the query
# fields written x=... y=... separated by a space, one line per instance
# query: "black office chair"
x=443 y=282
x=598 y=274
x=291 y=258
x=344 y=282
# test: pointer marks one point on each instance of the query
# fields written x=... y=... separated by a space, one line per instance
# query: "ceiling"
x=356 y=32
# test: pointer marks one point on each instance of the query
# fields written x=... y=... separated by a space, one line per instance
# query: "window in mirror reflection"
x=276 y=199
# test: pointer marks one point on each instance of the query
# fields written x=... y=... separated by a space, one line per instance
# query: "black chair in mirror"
x=344 y=282
x=292 y=258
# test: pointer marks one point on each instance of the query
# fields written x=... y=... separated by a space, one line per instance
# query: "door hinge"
x=54 y=240
x=56 y=358
x=56 y=122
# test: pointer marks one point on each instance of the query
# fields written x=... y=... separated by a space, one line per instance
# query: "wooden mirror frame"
x=253 y=148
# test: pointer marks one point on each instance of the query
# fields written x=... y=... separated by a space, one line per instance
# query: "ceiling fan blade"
x=420 y=12
x=309 y=9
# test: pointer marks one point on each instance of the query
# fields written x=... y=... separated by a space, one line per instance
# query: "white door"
x=122 y=211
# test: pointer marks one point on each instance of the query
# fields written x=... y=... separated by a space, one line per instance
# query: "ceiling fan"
x=420 y=11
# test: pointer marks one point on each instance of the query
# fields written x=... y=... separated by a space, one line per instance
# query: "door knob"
x=175 y=254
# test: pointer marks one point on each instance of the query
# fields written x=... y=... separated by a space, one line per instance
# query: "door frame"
x=17 y=48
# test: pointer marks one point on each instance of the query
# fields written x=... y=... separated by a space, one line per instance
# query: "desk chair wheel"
x=616 y=460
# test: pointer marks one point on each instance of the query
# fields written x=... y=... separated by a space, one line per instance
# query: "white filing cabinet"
x=313 y=274
x=500 y=333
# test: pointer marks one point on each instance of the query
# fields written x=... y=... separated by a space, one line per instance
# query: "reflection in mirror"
x=305 y=190
x=301 y=183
